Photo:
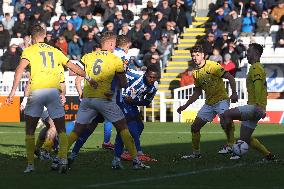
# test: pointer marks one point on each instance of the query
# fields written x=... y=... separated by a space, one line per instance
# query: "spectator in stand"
x=27 y=42
x=263 y=25
x=248 y=26
x=83 y=32
x=75 y=48
x=215 y=30
x=234 y=23
x=97 y=34
x=187 y=4
x=8 y=23
x=49 y=39
x=118 y=20
x=231 y=49
x=20 y=4
x=11 y=58
x=126 y=14
x=109 y=26
x=261 y=5
x=136 y=34
x=125 y=30
x=171 y=30
x=35 y=19
x=208 y=44
x=220 y=19
x=224 y=41
x=164 y=49
x=47 y=12
x=145 y=19
x=62 y=44
x=89 y=43
x=153 y=30
x=110 y=9
x=1 y=8
x=161 y=20
x=150 y=9
x=21 y=26
x=147 y=42
x=89 y=20
x=4 y=37
x=83 y=9
x=278 y=12
x=280 y=36
x=63 y=22
x=253 y=7
x=229 y=65
x=187 y=77
x=164 y=8
x=154 y=59
x=216 y=56
x=56 y=31
x=178 y=16
x=69 y=32
x=75 y=20
x=28 y=9
x=227 y=7
x=241 y=49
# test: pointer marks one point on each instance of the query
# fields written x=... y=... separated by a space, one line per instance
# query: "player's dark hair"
x=122 y=40
x=107 y=36
x=196 y=48
x=258 y=48
x=152 y=68
x=37 y=30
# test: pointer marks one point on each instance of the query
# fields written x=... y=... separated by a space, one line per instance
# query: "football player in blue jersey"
x=141 y=90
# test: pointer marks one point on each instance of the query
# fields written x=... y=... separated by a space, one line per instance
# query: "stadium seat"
x=258 y=39
x=1 y=52
x=269 y=42
x=268 y=52
x=8 y=9
x=279 y=52
x=16 y=41
x=53 y=19
x=246 y=40
x=98 y=20
x=274 y=28
x=133 y=52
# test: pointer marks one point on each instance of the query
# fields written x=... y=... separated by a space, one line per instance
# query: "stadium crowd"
x=154 y=31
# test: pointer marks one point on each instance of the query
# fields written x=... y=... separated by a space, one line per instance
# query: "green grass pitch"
x=166 y=142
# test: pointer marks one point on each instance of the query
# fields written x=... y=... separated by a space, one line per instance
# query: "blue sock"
x=81 y=140
x=107 y=131
x=118 y=146
x=135 y=131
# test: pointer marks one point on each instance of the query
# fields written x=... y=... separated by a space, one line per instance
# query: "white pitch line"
x=165 y=176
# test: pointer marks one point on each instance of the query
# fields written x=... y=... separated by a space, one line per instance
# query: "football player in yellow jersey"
x=255 y=109
x=102 y=66
x=45 y=62
x=208 y=76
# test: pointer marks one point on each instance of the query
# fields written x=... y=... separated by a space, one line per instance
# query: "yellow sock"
x=128 y=142
x=30 y=148
x=196 y=142
x=254 y=143
x=47 y=145
x=63 y=145
x=39 y=143
x=71 y=139
x=230 y=135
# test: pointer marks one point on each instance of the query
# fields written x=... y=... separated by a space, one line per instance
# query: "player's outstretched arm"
x=197 y=92
x=78 y=86
x=234 y=96
x=79 y=71
x=18 y=75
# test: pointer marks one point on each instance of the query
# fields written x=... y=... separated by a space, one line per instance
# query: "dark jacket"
x=4 y=39
x=179 y=19
x=11 y=60
x=21 y=27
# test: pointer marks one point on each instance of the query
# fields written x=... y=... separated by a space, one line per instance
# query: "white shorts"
x=90 y=107
x=207 y=112
x=50 y=98
x=250 y=115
